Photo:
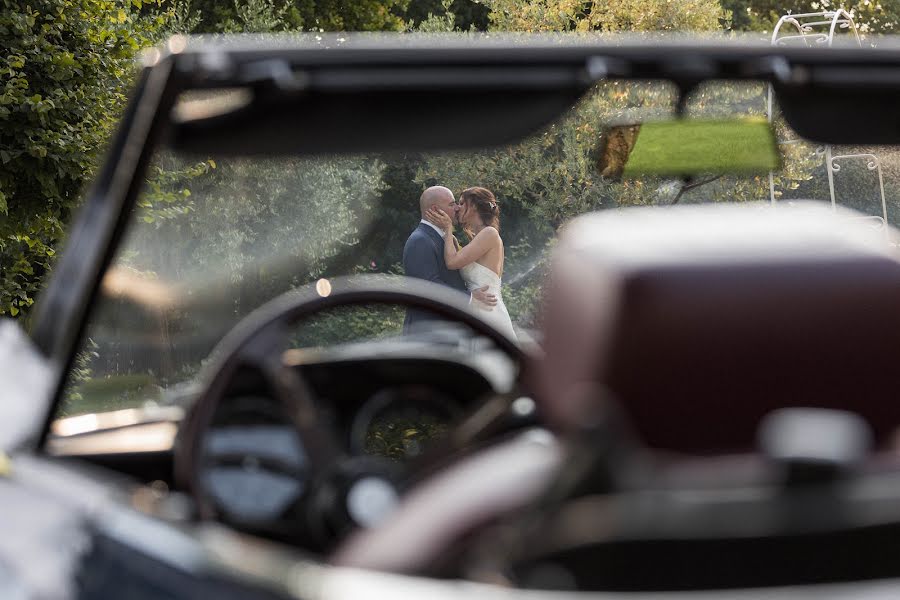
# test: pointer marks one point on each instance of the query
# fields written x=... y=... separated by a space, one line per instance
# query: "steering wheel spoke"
x=264 y=353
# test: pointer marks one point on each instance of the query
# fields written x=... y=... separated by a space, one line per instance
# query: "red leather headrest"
x=700 y=320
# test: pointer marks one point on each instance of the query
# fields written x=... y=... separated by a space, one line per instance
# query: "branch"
x=686 y=187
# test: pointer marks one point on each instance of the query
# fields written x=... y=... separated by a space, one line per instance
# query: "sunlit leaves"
x=212 y=16
x=602 y=15
x=166 y=194
x=64 y=75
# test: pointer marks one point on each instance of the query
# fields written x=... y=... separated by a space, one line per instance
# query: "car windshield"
x=216 y=237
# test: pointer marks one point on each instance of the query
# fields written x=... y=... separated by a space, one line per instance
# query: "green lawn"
x=688 y=147
x=109 y=393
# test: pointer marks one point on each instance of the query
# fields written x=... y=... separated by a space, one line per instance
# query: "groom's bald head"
x=436 y=195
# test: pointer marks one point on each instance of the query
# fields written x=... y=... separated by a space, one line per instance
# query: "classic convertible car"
x=218 y=397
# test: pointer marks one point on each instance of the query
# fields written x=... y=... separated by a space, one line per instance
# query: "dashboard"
x=390 y=407
x=255 y=464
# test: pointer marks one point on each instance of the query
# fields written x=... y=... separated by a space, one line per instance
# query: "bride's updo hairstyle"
x=485 y=204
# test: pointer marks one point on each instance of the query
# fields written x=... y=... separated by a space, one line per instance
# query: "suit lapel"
x=433 y=235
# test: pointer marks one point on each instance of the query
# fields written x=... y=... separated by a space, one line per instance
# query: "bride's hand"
x=439 y=218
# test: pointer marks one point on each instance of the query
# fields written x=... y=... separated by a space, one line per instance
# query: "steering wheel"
x=256 y=344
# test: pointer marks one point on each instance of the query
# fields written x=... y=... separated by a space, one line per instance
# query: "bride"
x=480 y=262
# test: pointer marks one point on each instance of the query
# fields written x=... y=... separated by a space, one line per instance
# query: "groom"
x=423 y=255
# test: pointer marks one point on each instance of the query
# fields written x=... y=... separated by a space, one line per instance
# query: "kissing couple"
x=433 y=253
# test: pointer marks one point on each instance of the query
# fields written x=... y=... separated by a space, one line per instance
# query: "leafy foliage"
x=465 y=15
x=294 y=15
x=166 y=194
x=601 y=15
x=349 y=324
x=210 y=16
x=64 y=74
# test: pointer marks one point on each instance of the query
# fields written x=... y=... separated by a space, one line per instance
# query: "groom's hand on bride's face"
x=439 y=218
x=485 y=297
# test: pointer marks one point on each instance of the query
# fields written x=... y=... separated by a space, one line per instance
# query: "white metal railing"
x=818 y=29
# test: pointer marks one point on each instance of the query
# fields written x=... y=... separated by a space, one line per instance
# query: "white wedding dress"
x=477 y=276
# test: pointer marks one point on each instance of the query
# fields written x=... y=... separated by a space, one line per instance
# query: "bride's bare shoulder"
x=490 y=232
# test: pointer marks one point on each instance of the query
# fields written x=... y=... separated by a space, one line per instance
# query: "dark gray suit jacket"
x=423 y=257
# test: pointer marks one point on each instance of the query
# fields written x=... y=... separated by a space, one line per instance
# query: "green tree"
x=261 y=16
x=64 y=74
x=601 y=15
x=330 y=15
x=465 y=15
